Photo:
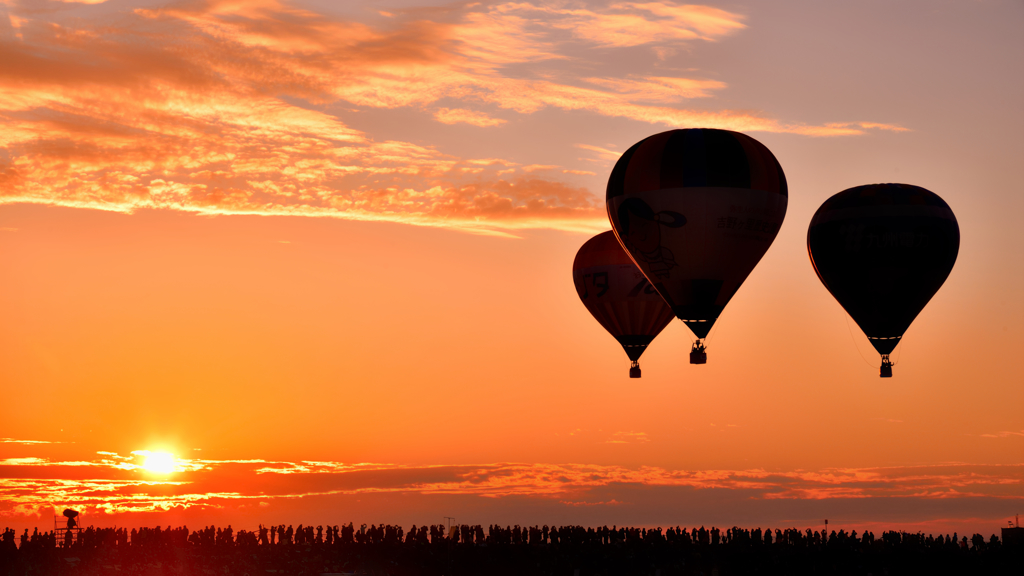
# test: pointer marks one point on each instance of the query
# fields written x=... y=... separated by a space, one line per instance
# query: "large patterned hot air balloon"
x=619 y=296
x=697 y=209
x=883 y=251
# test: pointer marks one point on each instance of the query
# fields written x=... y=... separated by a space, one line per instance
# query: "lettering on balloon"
x=853 y=235
x=599 y=280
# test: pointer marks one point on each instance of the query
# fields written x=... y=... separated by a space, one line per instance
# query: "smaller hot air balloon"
x=618 y=295
x=883 y=251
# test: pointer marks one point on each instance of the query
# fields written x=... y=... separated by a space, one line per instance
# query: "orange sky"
x=321 y=252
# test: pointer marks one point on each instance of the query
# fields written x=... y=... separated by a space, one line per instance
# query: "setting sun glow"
x=157 y=462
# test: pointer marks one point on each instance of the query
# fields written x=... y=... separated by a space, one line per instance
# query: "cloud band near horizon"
x=111 y=484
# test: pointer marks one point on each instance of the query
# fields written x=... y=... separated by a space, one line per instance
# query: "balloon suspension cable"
x=714 y=330
x=854 y=339
x=900 y=354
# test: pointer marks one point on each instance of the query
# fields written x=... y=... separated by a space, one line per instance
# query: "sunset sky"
x=321 y=252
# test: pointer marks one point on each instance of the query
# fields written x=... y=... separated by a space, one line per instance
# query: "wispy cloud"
x=1004 y=434
x=221 y=107
x=639 y=23
x=603 y=153
x=628 y=438
x=457 y=115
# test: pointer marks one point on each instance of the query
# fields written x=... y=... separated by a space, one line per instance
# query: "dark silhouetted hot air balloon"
x=883 y=251
x=697 y=209
x=619 y=296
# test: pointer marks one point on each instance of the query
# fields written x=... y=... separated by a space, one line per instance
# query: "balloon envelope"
x=617 y=294
x=697 y=209
x=883 y=251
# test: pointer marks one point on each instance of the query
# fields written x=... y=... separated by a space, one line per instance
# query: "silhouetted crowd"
x=465 y=549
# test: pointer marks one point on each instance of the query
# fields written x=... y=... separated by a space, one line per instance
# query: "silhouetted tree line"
x=465 y=549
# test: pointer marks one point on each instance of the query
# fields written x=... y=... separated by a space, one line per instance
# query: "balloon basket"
x=885 y=370
x=634 y=372
x=698 y=357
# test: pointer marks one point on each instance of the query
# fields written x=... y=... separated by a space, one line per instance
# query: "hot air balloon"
x=618 y=296
x=697 y=209
x=883 y=251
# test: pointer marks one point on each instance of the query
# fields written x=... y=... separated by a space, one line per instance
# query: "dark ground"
x=567 y=551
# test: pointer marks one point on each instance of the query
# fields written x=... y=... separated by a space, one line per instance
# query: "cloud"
x=603 y=153
x=612 y=502
x=221 y=107
x=457 y=115
x=1004 y=434
x=502 y=36
x=112 y=483
x=659 y=89
x=628 y=438
x=638 y=23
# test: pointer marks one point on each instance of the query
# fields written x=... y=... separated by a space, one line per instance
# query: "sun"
x=157 y=462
